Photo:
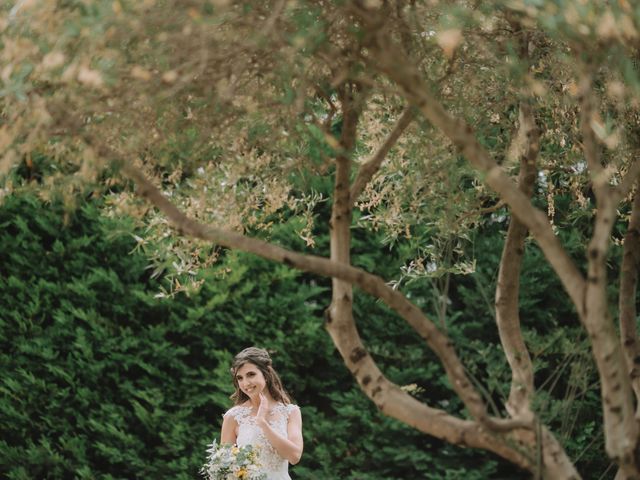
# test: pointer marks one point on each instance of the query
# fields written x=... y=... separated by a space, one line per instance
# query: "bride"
x=263 y=415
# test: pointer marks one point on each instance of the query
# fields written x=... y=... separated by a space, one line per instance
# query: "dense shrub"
x=102 y=379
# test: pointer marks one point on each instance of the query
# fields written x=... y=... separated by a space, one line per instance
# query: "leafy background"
x=117 y=335
x=102 y=377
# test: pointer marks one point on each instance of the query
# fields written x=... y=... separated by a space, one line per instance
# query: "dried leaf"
x=449 y=40
x=53 y=60
x=140 y=73
x=89 y=77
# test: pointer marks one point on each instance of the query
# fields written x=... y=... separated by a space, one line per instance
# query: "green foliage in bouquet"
x=230 y=462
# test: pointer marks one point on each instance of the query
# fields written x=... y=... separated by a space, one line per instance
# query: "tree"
x=206 y=109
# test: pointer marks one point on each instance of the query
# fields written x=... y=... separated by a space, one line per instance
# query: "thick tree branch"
x=340 y=324
x=398 y=404
x=617 y=382
x=627 y=298
x=370 y=167
x=339 y=316
x=621 y=430
x=508 y=286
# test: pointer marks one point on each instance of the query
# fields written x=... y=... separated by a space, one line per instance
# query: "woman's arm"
x=294 y=433
x=289 y=448
x=229 y=427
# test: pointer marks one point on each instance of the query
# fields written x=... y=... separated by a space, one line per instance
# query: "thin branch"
x=370 y=167
x=508 y=285
x=483 y=211
x=628 y=180
x=271 y=21
x=388 y=59
x=589 y=143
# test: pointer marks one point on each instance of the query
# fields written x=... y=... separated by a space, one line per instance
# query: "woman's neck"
x=254 y=402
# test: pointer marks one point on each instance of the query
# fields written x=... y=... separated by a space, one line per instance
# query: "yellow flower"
x=235 y=450
x=242 y=473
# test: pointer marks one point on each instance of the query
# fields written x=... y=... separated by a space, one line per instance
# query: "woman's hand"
x=263 y=410
x=288 y=445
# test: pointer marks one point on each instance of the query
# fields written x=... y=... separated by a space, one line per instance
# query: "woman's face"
x=250 y=380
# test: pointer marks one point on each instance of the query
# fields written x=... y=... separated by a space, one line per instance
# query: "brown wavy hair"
x=262 y=360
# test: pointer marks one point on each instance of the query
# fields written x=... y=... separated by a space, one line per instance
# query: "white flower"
x=230 y=462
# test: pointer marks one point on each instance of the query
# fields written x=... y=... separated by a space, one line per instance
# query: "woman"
x=263 y=415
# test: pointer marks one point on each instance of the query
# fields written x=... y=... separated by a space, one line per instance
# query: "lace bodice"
x=249 y=433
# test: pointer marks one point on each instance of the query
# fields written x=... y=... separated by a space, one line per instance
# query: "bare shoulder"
x=293 y=411
x=229 y=426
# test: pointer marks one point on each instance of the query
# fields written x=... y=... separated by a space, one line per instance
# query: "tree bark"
x=508 y=286
x=620 y=427
x=627 y=298
x=627 y=307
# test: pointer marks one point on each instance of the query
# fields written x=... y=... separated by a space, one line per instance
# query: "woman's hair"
x=261 y=359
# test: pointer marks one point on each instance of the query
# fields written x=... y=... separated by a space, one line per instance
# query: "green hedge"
x=101 y=379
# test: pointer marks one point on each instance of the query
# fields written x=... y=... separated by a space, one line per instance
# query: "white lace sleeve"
x=291 y=408
x=237 y=413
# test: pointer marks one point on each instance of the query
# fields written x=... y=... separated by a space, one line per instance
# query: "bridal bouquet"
x=229 y=462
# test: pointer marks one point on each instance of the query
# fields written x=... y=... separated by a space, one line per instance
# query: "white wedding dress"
x=272 y=464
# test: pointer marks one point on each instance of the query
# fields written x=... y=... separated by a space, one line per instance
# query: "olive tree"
x=198 y=115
